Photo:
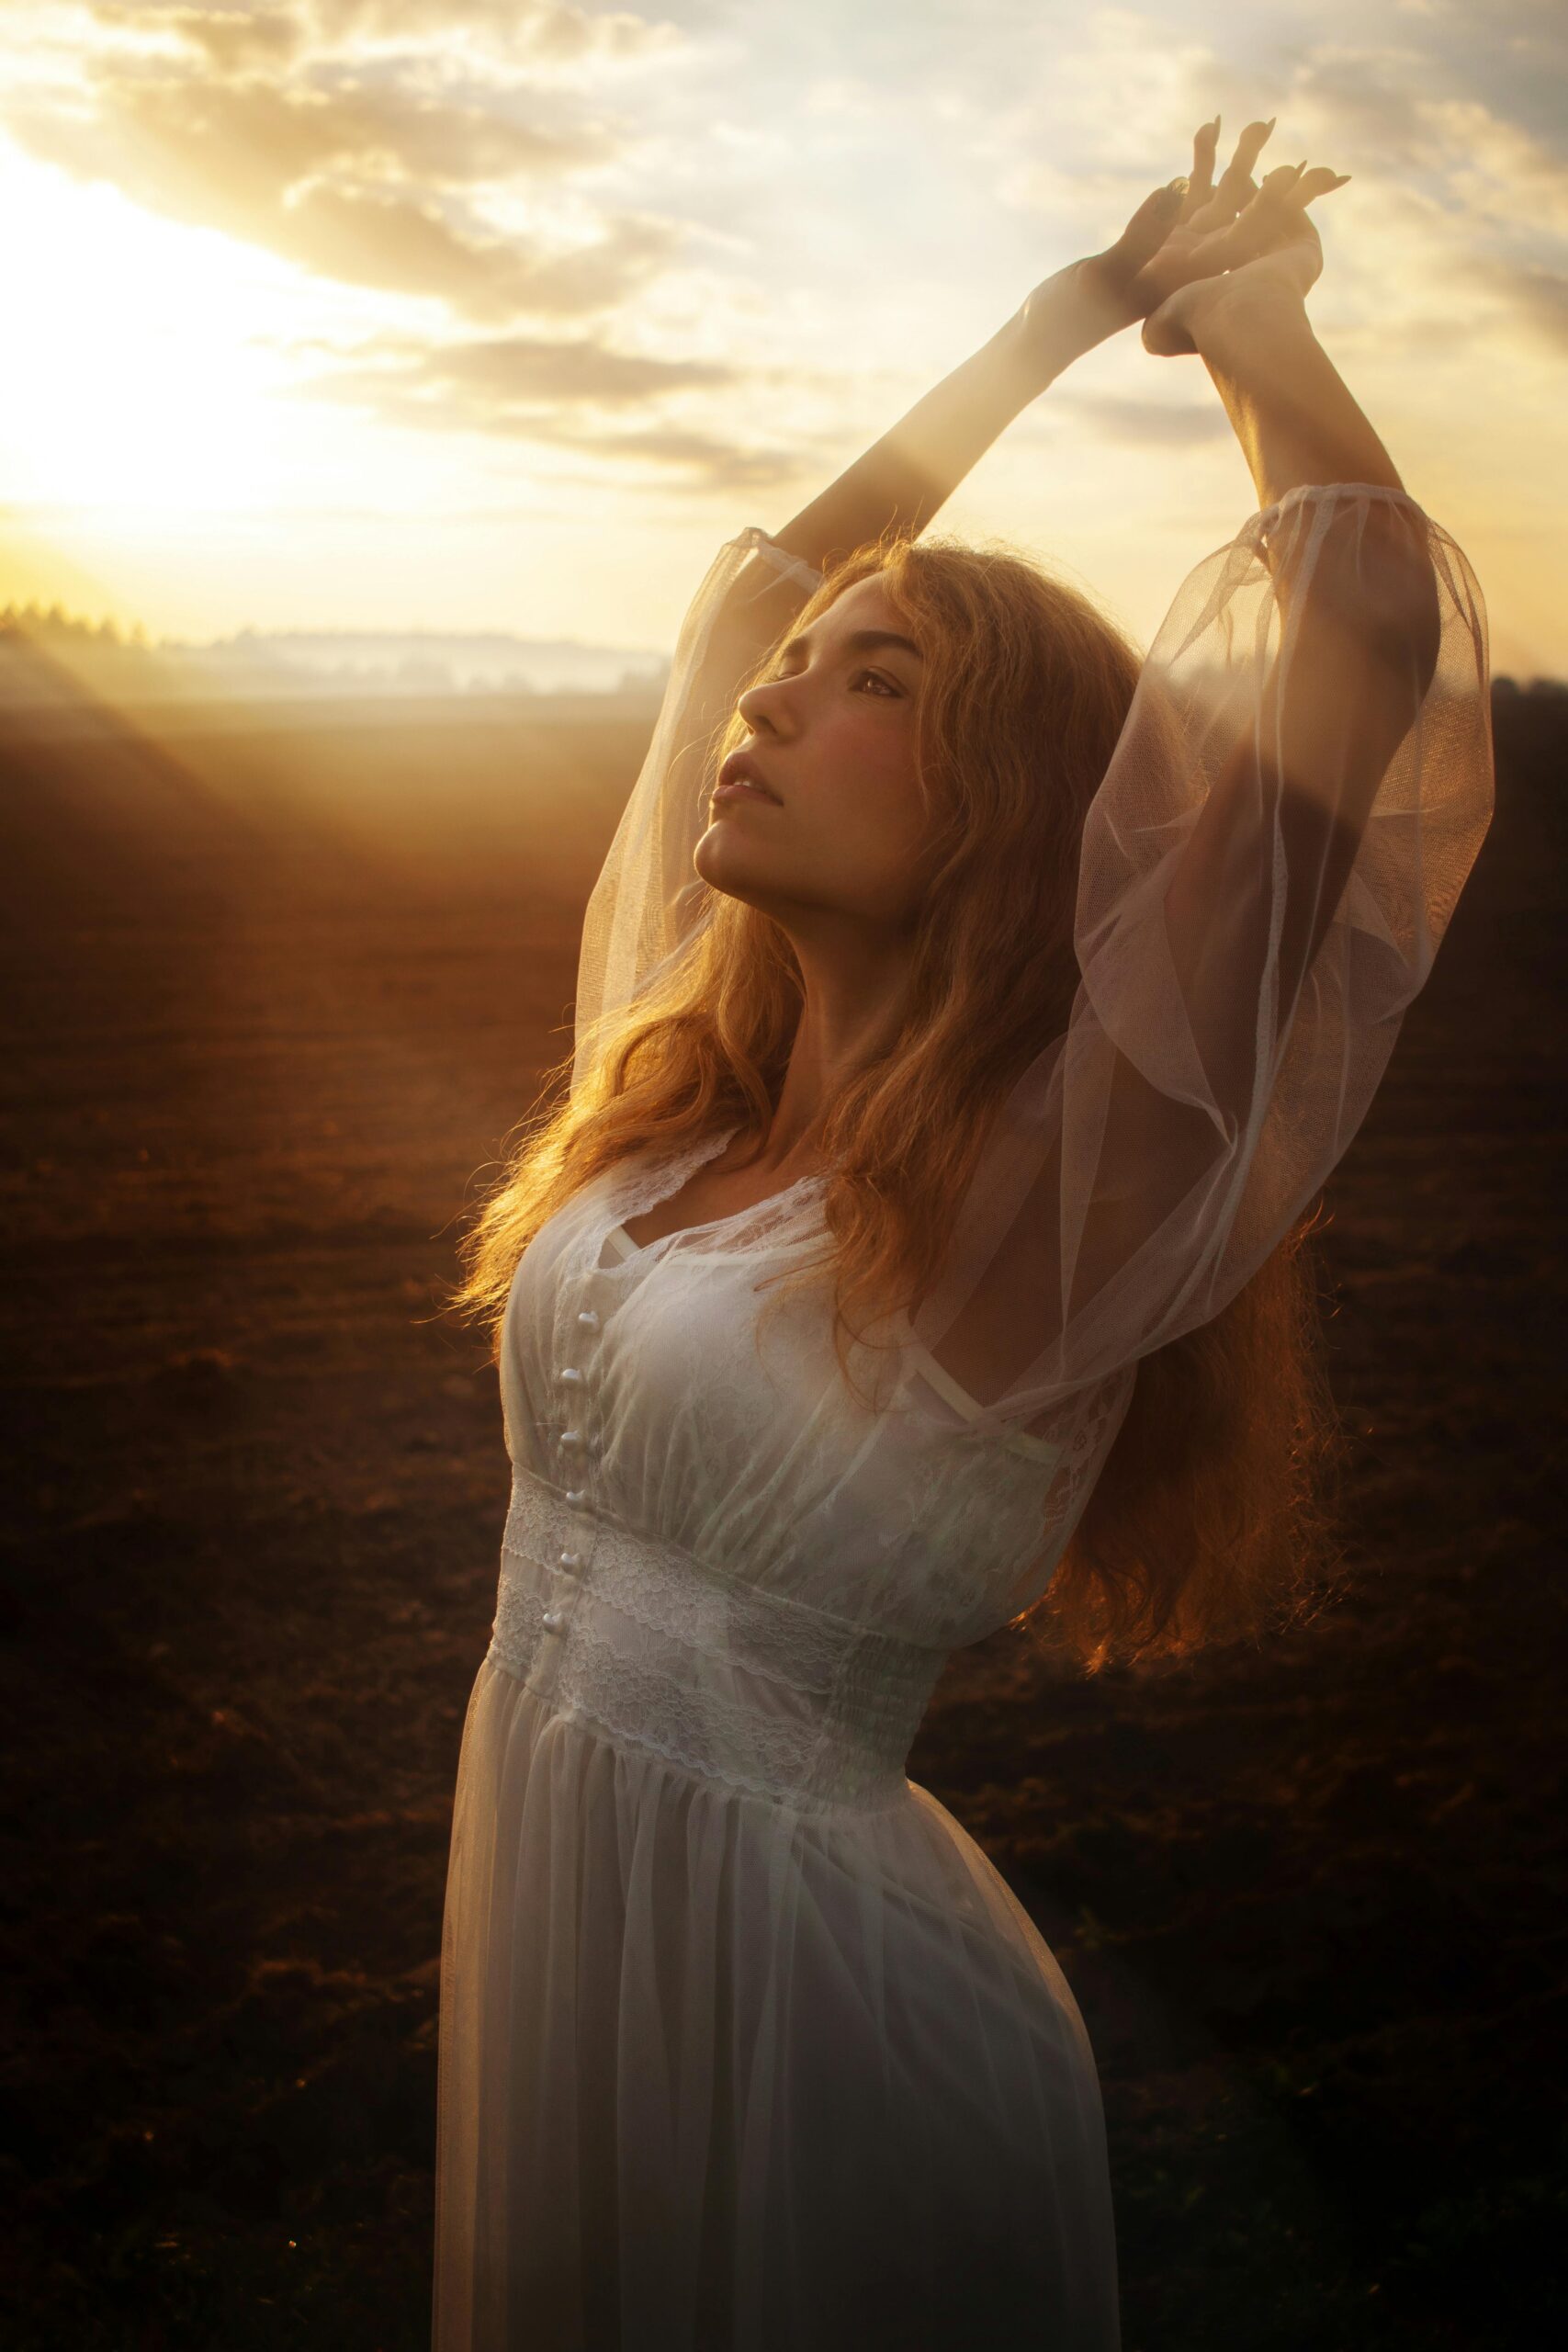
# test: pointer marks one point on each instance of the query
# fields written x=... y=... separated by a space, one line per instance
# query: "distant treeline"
x=44 y=650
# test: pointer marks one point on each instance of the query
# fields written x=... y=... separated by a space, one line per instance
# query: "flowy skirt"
x=722 y=2074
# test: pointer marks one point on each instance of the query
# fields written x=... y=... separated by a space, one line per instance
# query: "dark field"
x=275 y=998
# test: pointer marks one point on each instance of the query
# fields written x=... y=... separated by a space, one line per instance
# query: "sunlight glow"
x=139 y=382
x=401 y=316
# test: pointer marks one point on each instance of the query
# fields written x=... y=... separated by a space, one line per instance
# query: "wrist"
x=1058 y=323
x=1238 y=328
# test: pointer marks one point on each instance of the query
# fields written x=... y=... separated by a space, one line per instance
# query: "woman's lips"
x=741 y=788
x=740 y=771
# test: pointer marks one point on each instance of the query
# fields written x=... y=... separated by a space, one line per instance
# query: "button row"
x=573 y=1440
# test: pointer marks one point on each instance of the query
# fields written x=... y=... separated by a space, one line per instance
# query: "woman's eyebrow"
x=860 y=640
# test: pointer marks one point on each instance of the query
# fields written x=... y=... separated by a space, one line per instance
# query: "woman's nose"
x=761 y=705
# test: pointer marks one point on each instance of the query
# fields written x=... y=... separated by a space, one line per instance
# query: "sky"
x=472 y=314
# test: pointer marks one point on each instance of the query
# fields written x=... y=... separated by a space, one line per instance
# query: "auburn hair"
x=1214 y=1517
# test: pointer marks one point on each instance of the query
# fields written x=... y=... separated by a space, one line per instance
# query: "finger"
x=1201 y=181
x=1237 y=188
x=1319 y=181
x=1282 y=201
x=1218 y=207
x=1250 y=145
x=1281 y=186
x=1237 y=184
x=1274 y=217
x=1150 y=225
x=1279 y=197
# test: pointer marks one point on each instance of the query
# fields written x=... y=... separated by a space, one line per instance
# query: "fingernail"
x=1177 y=186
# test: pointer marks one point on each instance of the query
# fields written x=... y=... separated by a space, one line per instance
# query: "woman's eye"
x=885 y=684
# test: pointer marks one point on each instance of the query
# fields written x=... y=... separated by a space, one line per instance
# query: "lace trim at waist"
x=738 y=1685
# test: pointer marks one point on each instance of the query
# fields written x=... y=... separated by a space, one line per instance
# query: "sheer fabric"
x=1300 y=790
x=647 y=896
x=744 y=2043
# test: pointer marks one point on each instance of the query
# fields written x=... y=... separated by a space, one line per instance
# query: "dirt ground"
x=274 y=997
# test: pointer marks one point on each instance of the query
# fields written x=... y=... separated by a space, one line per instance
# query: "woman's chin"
x=723 y=864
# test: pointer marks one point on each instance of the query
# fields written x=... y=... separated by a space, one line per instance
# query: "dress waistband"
x=664 y=1652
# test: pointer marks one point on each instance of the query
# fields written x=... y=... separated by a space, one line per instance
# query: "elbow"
x=1398 y=589
x=1373 y=592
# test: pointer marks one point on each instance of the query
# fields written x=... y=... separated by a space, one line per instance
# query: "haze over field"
x=484 y=315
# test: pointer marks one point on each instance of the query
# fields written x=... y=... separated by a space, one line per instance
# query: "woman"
x=959 y=1064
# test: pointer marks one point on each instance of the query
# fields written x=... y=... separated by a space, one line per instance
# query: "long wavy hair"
x=1214 y=1517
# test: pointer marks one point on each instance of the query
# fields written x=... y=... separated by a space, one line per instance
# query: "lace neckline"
x=655 y=1181
x=642 y=1182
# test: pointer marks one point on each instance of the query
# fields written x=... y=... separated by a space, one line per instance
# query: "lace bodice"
x=713 y=1547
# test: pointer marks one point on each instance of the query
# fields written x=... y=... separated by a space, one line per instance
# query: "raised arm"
x=1297 y=797
x=1356 y=658
x=1180 y=234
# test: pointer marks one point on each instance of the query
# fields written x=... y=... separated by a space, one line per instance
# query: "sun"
x=138 y=374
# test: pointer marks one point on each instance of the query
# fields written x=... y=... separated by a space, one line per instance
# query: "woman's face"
x=833 y=736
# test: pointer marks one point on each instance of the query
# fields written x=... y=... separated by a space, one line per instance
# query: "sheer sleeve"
x=1300 y=790
x=647 y=894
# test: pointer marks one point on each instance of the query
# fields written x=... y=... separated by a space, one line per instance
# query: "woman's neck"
x=849 y=1014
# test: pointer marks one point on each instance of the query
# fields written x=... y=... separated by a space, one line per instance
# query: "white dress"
x=745 y=2045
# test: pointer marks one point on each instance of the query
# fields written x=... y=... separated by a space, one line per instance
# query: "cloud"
x=1355 y=103
x=169 y=128
x=1538 y=297
x=229 y=38
x=389 y=242
x=380 y=175
x=435 y=147
x=1149 y=424
x=1347 y=102
x=1457 y=221
x=1500 y=172
x=235 y=33
x=538 y=28
x=501 y=371
x=563 y=394
x=1451 y=121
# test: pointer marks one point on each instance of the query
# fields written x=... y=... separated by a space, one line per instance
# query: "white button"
x=577 y=1497
x=572 y=1376
x=571 y=1559
x=588 y=1319
x=552 y=1618
x=571 y=1437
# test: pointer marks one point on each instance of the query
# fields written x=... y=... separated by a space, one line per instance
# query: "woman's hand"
x=1221 y=229
x=1294 y=417
x=1186 y=231
x=1284 y=261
